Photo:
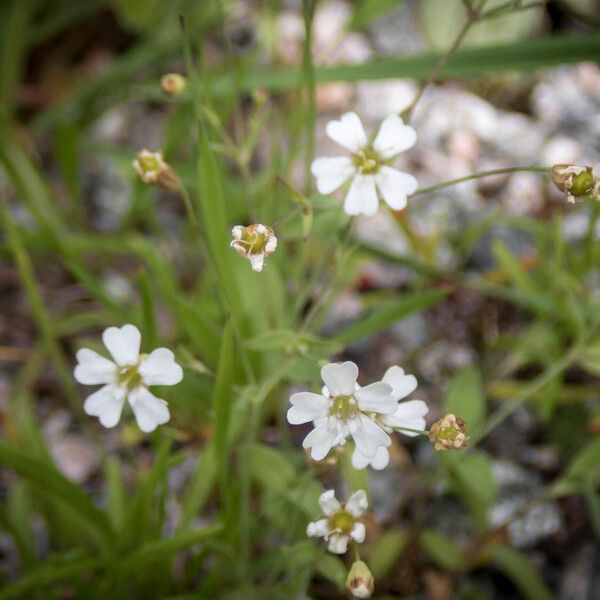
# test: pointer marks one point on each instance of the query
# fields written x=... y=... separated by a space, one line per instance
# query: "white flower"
x=408 y=415
x=254 y=243
x=366 y=165
x=128 y=377
x=340 y=522
x=153 y=170
x=341 y=410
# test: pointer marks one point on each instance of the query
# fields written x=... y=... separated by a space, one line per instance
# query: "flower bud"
x=448 y=433
x=153 y=170
x=173 y=84
x=576 y=182
x=360 y=582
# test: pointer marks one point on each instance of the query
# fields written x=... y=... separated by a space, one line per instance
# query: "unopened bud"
x=360 y=582
x=173 y=84
x=153 y=170
x=448 y=433
x=576 y=182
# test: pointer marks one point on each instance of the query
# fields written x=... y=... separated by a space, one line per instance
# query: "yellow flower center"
x=343 y=407
x=149 y=164
x=342 y=521
x=253 y=241
x=129 y=377
x=367 y=161
x=449 y=433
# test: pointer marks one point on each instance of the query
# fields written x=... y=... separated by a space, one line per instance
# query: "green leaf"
x=49 y=480
x=443 y=551
x=367 y=11
x=472 y=479
x=591 y=358
x=48 y=574
x=520 y=571
x=583 y=470
x=288 y=340
x=201 y=484
x=387 y=313
x=162 y=550
x=222 y=400
x=513 y=267
x=333 y=569
x=521 y=56
x=465 y=399
x=385 y=552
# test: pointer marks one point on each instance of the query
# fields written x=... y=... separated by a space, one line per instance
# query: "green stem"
x=189 y=205
x=510 y=406
x=472 y=17
x=445 y=184
x=308 y=77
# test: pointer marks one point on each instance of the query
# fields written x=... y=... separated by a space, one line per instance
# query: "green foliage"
x=242 y=491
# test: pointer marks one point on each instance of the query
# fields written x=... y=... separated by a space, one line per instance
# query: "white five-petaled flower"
x=366 y=165
x=254 y=242
x=340 y=521
x=128 y=377
x=343 y=410
x=408 y=415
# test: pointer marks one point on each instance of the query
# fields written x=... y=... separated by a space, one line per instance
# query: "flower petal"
x=93 y=368
x=106 y=404
x=338 y=543
x=376 y=397
x=332 y=172
x=160 y=368
x=395 y=186
x=381 y=459
x=409 y=414
x=149 y=411
x=340 y=378
x=306 y=407
x=257 y=261
x=394 y=137
x=348 y=132
x=329 y=503
x=378 y=462
x=361 y=198
x=358 y=533
x=360 y=461
x=320 y=440
x=123 y=344
x=402 y=384
x=318 y=528
x=357 y=503
x=369 y=436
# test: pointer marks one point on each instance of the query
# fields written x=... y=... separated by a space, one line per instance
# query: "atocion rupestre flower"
x=367 y=164
x=128 y=377
x=254 y=242
x=340 y=524
x=153 y=170
x=343 y=410
x=408 y=415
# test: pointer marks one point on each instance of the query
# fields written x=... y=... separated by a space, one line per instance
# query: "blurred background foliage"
x=215 y=504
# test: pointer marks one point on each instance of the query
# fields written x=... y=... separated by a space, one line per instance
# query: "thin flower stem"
x=472 y=17
x=509 y=407
x=356 y=551
x=419 y=431
x=445 y=184
x=308 y=77
x=310 y=315
x=189 y=206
